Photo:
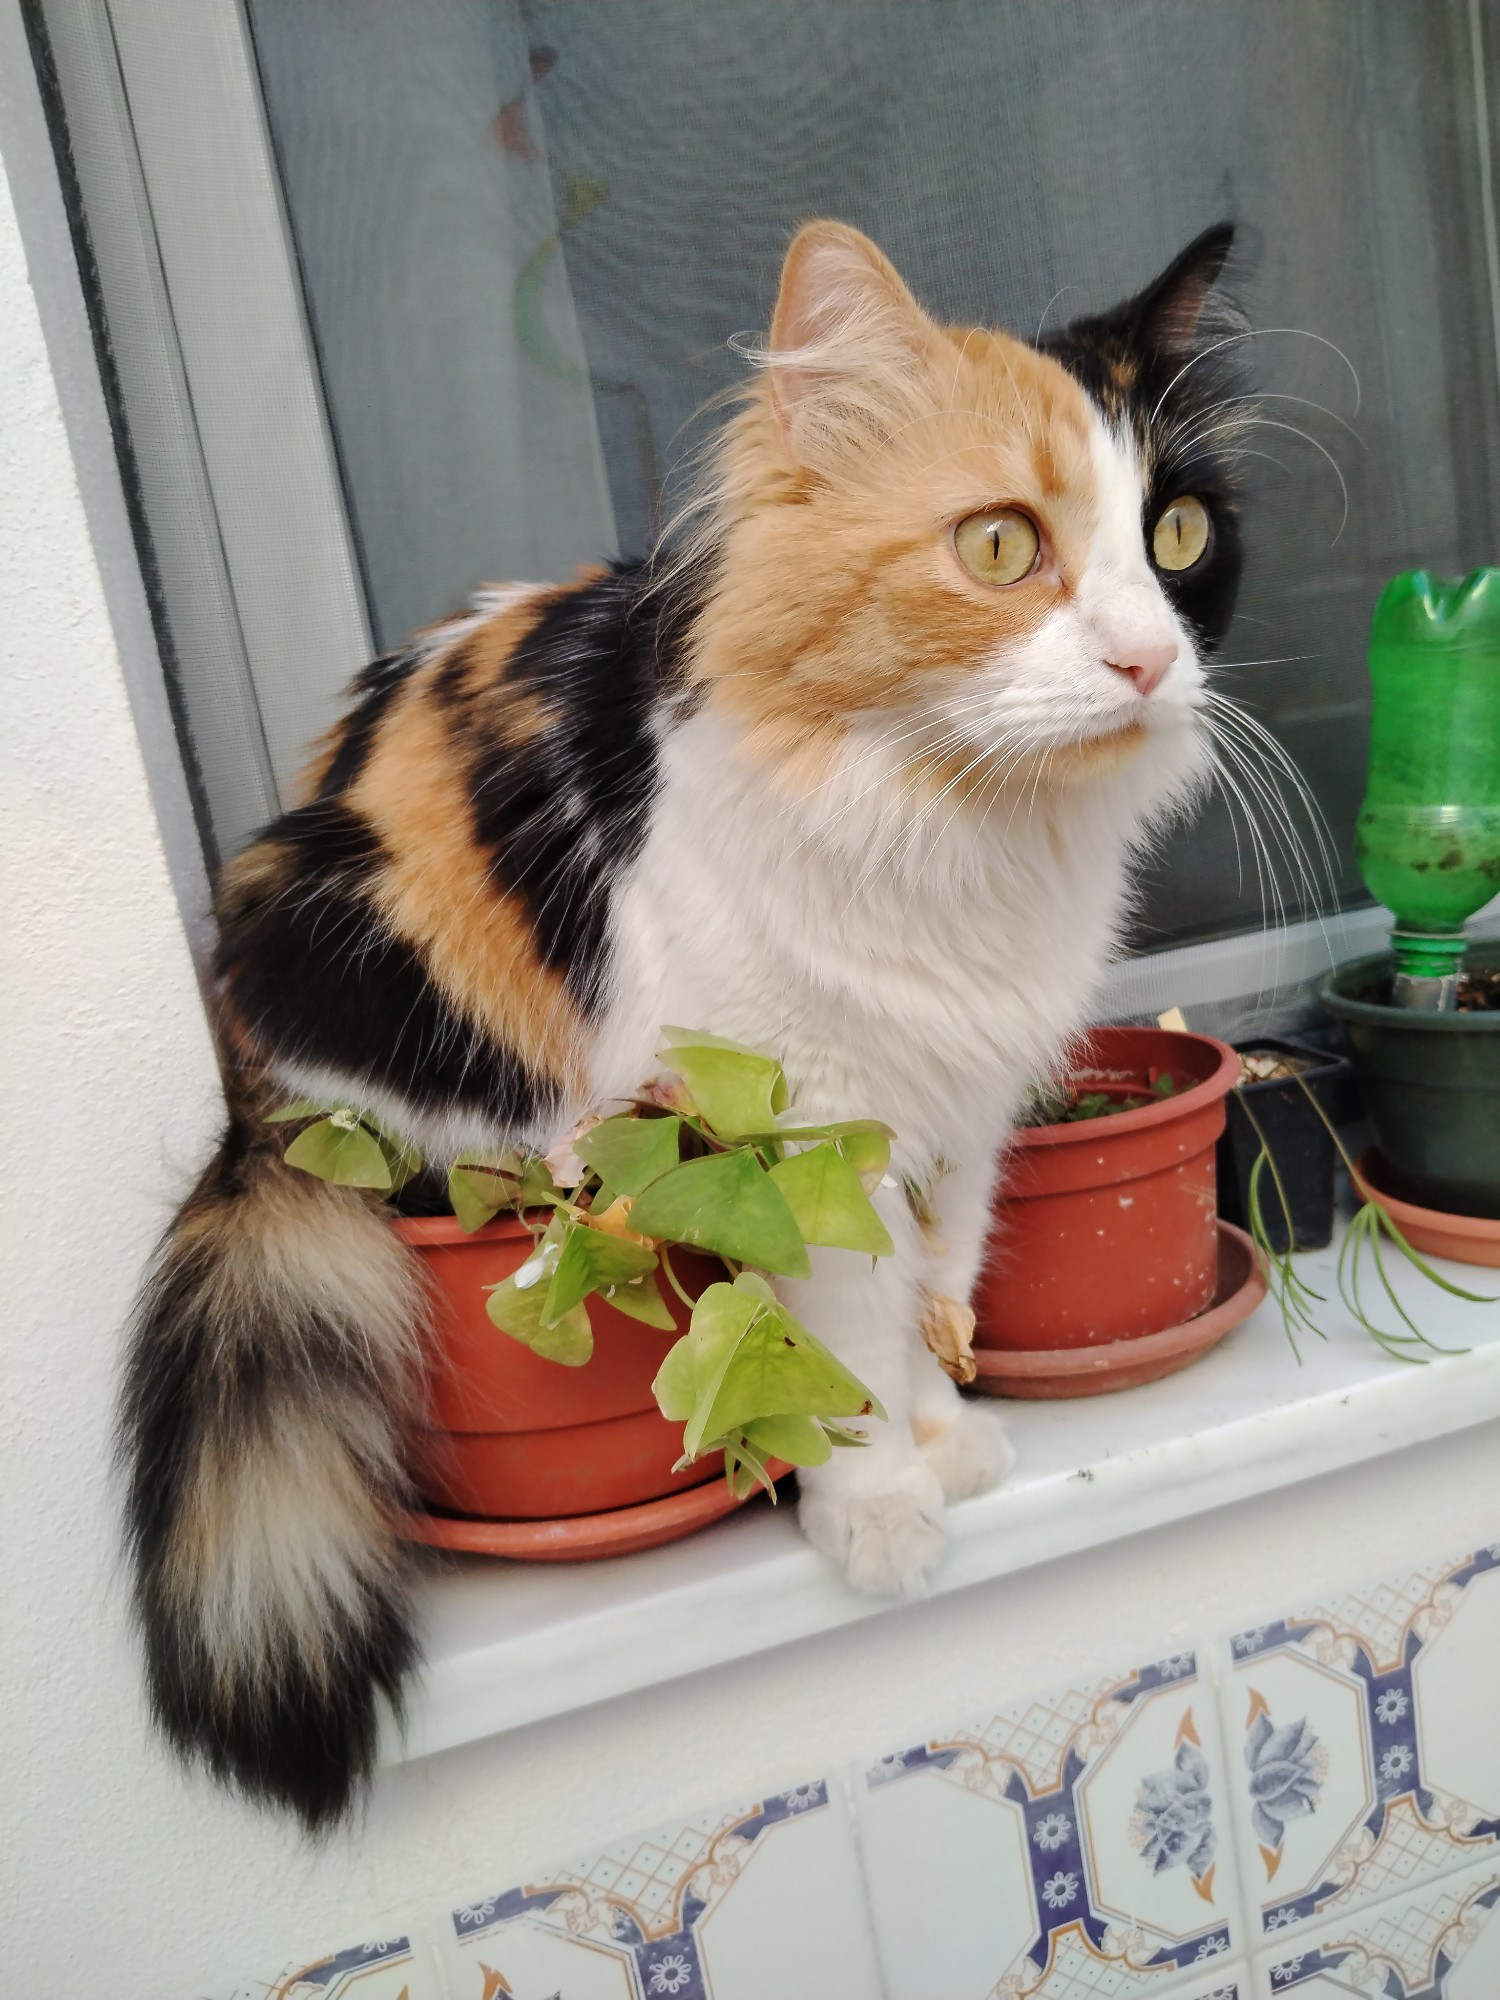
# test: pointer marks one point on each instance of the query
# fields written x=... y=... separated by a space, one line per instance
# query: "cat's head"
x=1006 y=559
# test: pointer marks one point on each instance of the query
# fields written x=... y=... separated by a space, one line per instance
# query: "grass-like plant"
x=1371 y=1229
x=710 y=1161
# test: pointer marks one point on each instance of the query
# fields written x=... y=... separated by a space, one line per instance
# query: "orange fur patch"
x=436 y=891
x=309 y=780
x=882 y=602
x=482 y=654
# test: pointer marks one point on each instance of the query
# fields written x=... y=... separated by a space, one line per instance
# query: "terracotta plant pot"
x=1106 y=1229
x=1468 y=1239
x=517 y=1438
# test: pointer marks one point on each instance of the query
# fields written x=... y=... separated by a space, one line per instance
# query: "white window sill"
x=508 y=1644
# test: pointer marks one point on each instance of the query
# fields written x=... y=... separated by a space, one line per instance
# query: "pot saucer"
x=1047 y=1373
x=581 y=1537
x=1467 y=1239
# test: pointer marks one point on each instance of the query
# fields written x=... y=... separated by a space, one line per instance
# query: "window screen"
x=526 y=234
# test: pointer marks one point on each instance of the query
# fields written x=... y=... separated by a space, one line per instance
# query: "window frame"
x=251 y=554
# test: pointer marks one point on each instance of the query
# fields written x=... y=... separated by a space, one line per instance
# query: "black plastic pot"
x=1432 y=1085
x=1298 y=1141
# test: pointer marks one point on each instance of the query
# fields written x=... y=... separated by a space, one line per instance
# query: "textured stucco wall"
x=118 y=1871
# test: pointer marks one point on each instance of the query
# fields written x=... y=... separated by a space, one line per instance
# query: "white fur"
x=484 y=604
x=280 y=1528
x=915 y=963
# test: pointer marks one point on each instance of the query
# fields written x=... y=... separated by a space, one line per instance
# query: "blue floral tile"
x=1368 y=1741
x=759 y=1900
x=1068 y=1847
x=1439 y=1942
x=1230 y=1982
x=393 y=1968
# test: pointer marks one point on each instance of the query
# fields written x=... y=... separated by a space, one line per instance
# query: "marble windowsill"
x=508 y=1644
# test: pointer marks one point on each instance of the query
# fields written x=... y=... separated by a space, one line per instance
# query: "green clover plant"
x=713 y=1163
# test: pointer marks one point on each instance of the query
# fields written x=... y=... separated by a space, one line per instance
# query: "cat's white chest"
x=930 y=1009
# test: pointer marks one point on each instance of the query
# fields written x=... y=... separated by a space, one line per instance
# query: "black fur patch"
x=311 y=968
x=561 y=814
x=294 y=1741
x=375 y=687
x=1155 y=368
x=195 y=1375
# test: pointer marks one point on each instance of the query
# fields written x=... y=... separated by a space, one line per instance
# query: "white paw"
x=889 y=1541
x=971 y=1454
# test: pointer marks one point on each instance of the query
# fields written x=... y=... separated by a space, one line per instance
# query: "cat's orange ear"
x=848 y=340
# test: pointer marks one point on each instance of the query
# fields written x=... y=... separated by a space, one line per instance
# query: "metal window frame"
x=207 y=332
x=251 y=535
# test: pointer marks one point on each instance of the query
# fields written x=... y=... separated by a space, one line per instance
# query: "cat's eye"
x=998 y=544
x=1181 y=535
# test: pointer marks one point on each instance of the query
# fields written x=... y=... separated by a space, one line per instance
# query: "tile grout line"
x=1245 y=1906
x=845 y=1779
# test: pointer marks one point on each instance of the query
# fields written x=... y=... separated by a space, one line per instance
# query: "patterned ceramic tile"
x=1439 y=1942
x=397 y=1968
x=741 y=1905
x=1369 y=1752
x=1071 y=1847
x=1230 y=1982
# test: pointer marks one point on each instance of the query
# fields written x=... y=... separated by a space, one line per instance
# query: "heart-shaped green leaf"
x=570 y=1342
x=477 y=1195
x=630 y=1153
x=349 y=1155
x=536 y=1188
x=868 y=1151
x=725 y=1203
x=641 y=1298
x=777 y=1368
x=691 y=1373
x=799 y=1440
x=699 y=1038
x=827 y=1198
x=844 y=1128
x=592 y=1261
x=518 y=1310
x=735 y=1090
x=745 y=1469
x=403 y=1160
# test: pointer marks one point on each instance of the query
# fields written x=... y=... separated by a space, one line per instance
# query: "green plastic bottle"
x=1428 y=834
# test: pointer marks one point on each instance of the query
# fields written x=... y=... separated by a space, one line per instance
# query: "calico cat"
x=853 y=770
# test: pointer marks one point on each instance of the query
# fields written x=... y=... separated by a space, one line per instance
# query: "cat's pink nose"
x=1145 y=663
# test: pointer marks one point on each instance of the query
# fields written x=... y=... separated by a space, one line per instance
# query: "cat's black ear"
x=1185 y=305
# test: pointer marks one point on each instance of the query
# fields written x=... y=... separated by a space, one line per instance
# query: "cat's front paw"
x=971 y=1454
x=887 y=1540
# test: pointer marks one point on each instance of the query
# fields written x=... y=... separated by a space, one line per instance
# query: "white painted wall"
x=118 y=1871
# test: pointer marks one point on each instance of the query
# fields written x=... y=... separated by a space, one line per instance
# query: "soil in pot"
x=517 y=1438
x=1106 y=1227
x=1431 y=1083
x=1275 y=1071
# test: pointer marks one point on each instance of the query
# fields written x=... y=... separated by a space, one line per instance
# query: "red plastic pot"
x=1106 y=1229
x=518 y=1438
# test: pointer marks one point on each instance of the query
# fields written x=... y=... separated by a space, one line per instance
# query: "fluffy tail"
x=270 y=1370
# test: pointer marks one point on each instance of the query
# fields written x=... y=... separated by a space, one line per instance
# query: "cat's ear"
x=1185 y=307
x=848 y=340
